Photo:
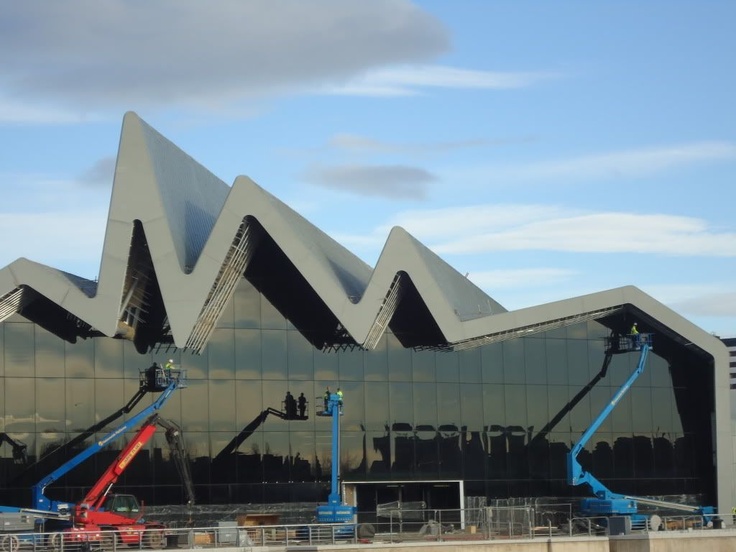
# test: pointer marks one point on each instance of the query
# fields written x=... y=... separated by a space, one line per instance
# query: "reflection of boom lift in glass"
x=20 y=450
x=150 y=380
x=289 y=413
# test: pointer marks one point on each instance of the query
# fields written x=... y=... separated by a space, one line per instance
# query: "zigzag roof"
x=179 y=240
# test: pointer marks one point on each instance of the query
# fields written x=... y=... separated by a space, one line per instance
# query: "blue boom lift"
x=160 y=381
x=335 y=511
x=605 y=503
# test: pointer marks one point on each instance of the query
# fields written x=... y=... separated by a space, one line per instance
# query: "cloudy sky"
x=547 y=150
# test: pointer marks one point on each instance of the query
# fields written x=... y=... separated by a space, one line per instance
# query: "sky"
x=545 y=149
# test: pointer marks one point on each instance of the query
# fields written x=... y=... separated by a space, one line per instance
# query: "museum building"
x=447 y=394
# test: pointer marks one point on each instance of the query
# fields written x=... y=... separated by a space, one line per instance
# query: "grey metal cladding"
x=190 y=222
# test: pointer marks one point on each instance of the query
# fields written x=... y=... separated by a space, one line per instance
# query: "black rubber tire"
x=154 y=539
x=9 y=543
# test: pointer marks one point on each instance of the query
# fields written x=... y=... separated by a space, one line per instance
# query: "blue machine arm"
x=607 y=502
x=41 y=502
x=334 y=511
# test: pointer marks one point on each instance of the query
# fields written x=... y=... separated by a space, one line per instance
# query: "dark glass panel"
x=470 y=405
x=80 y=359
x=577 y=358
x=301 y=357
x=516 y=406
x=323 y=452
x=423 y=366
x=303 y=455
x=49 y=355
x=106 y=354
x=248 y=402
x=450 y=441
x=376 y=362
x=20 y=405
x=537 y=407
x=448 y=404
x=275 y=456
x=664 y=418
x=448 y=367
x=559 y=446
x=471 y=363
x=354 y=408
x=492 y=363
x=558 y=409
x=596 y=356
x=247 y=354
x=273 y=351
x=246 y=306
x=221 y=355
x=271 y=319
x=108 y=397
x=600 y=452
x=222 y=406
x=378 y=453
x=426 y=407
x=641 y=409
x=399 y=360
x=535 y=360
x=52 y=414
x=376 y=405
x=80 y=402
x=623 y=456
x=19 y=352
x=194 y=406
x=513 y=362
x=325 y=366
x=619 y=370
x=351 y=365
x=401 y=403
x=426 y=451
x=196 y=366
x=659 y=371
x=494 y=405
x=557 y=363
x=643 y=456
x=352 y=464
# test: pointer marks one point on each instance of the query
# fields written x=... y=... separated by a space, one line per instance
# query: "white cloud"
x=410 y=80
x=621 y=164
x=91 y=55
x=512 y=227
x=388 y=181
x=492 y=280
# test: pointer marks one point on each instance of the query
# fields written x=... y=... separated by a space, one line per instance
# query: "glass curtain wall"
x=498 y=417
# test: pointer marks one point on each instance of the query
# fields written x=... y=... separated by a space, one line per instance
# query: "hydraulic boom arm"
x=607 y=501
x=41 y=502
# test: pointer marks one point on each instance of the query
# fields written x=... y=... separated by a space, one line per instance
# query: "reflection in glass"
x=18 y=353
x=221 y=355
x=408 y=415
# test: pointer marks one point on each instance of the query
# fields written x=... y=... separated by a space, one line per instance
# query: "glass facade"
x=501 y=417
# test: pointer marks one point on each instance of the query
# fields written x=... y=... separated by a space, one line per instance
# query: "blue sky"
x=547 y=150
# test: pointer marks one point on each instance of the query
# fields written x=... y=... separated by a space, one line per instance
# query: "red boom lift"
x=119 y=516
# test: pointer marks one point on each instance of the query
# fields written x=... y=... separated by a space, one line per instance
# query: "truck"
x=605 y=503
x=118 y=517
